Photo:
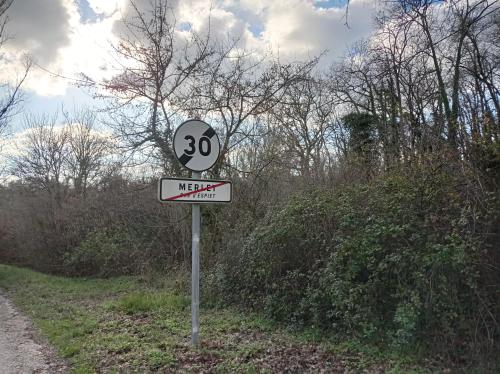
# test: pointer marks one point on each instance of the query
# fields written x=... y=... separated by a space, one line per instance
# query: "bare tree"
x=445 y=43
x=479 y=89
x=156 y=64
x=304 y=117
x=88 y=158
x=41 y=157
x=238 y=91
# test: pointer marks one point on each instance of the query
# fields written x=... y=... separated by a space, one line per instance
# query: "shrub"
x=399 y=260
x=104 y=252
x=274 y=267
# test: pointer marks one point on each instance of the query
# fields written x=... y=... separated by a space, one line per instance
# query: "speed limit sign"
x=196 y=145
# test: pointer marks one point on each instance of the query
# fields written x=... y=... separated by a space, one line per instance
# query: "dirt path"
x=21 y=351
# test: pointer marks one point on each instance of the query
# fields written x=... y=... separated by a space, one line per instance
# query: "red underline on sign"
x=196 y=191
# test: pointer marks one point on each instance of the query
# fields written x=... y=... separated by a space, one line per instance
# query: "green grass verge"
x=130 y=324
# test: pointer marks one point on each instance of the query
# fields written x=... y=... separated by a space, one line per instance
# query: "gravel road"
x=21 y=348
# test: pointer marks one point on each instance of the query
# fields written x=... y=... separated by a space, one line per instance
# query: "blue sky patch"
x=256 y=28
x=185 y=26
x=87 y=14
x=327 y=4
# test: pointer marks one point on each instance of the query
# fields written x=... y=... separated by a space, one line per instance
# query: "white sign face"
x=177 y=190
x=196 y=145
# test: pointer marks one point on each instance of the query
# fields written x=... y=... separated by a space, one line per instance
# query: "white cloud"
x=106 y=7
x=299 y=29
x=40 y=27
x=54 y=34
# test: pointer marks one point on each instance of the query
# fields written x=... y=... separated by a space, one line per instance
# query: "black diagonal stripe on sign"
x=209 y=133
x=184 y=159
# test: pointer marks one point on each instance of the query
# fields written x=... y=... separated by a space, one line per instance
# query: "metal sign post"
x=195 y=270
x=197 y=147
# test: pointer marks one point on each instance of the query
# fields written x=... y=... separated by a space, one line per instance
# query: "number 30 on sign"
x=196 y=145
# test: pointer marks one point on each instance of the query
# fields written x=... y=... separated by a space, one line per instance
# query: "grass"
x=135 y=303
x=132 y=324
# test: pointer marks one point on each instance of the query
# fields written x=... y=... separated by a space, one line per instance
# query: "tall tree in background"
x=57 y=159
x=239 y=91
x=87 y=161
x=446 y=30
x=430 y=77
x=42 y=155
x=304 y=117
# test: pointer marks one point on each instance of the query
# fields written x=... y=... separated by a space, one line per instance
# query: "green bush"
x=276 y=263
x=104 y=252
x=398 y=260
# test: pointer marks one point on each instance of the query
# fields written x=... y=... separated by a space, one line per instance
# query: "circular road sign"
x=196 y=145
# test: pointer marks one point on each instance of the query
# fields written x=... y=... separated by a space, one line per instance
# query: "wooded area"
x=366 y=194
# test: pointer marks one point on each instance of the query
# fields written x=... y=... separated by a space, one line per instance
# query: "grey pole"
x=195 y=270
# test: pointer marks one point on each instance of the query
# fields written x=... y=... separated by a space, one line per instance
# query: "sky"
x=65 y=38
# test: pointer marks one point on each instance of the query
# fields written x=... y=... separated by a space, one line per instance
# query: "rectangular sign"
x=178 y=190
